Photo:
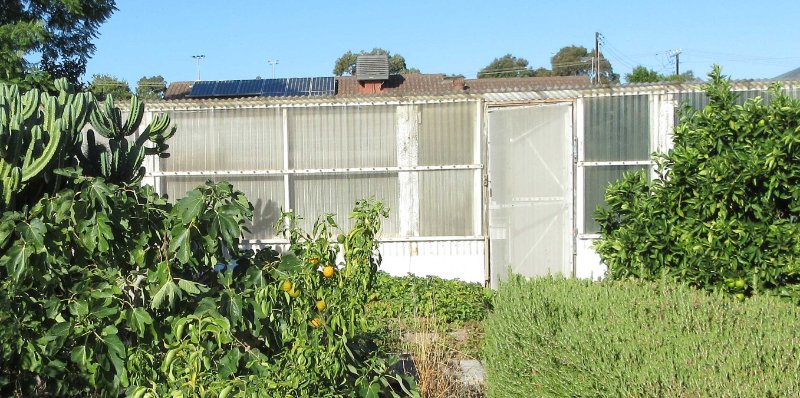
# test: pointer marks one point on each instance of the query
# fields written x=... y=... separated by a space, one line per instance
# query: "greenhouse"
x=477 y=183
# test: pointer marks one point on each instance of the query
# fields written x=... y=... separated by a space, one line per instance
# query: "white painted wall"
x=457 y=259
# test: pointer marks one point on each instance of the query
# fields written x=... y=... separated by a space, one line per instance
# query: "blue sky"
x=750 y=39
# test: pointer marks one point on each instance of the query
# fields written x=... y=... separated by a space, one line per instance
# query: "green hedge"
x=574 y=338
x=449 y=300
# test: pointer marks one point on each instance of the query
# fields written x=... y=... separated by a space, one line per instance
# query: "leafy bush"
x=555 y=337
x=412 y=296
x=108 y=289
x=724 y=212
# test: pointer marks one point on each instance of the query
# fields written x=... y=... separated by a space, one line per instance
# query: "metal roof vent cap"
x=372 y=67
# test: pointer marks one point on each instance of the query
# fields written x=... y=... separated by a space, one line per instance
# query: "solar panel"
x=202 y=89
x=291 y=87
x=297 y=86
x=322 y=86
x=273 y=88
x=226 y=88
x=251 y=87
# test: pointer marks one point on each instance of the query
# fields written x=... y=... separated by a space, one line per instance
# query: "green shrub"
x=412 y=296
x=555 y=337
x=724 y=213
x=109 y=290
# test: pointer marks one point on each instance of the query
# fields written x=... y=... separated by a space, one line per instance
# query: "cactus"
x=121 y=162
x=40 y=133
x=37 y=133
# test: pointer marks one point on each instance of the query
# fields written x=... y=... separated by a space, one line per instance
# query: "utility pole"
x=273 y=62
x=198 y=58
x=677 y=55
x=597 y=56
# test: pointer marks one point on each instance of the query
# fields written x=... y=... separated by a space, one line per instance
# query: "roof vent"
x=372 y=67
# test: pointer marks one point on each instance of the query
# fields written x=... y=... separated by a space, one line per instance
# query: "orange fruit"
x=294 y=293
x=313 y=260
x=316 y=322
x=341 y=238
x=286 y=286
x=328 y=271
x=321 y=305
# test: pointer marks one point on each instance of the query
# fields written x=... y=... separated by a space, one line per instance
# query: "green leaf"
x=229 y=363
x=190 y=207
x=102 y=231
x=32 y=233
x=167 y=291
x=116 y=354
x=188 y=286
x=180 y=243
x=60 y=329
x=99 y=192
x=138 y=319
x=289 y=263
x=80 y=355
x=234 y=306
x=16 y=260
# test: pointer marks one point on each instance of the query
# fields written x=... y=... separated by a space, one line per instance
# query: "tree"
x=642 y=74
x=687 y=76
x=59 y=31
x=724 y=213
x=507 y=66
x=104 y=85
x=578 y=61
x=346 y=64
x=151 y=88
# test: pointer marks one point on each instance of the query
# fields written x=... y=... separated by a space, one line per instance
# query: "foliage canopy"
x=109 y=289
x=104 y=85
x=507 y=66
x=346 y=64
x=642 y=74
x=577 y=61
x=723 y=213
x=61 y=31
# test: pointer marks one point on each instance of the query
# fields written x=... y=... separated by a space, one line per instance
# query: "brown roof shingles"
x=431 y=84
x=506 y=84
x=439 y=84
x=178 y=90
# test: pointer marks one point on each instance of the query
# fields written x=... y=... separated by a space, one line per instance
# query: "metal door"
x=530 y=166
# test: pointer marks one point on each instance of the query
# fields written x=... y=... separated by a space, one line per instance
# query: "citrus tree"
x=110 y=290
x=724 y=213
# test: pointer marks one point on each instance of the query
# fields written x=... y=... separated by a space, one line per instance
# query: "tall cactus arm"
x=101 y=121
x=35 y=166
x=158 y=132
x=107 y=119
x=11 y=183
x=134 y=116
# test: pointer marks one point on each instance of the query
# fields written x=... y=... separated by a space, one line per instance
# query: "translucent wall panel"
x=616 y=128
x=447 y=134
x=341 y=137
x=227 y=139
x=446 y=203
x=265 y=193
x=531 y=189
x=595 y=181
x=699 y=99
x=320 y=194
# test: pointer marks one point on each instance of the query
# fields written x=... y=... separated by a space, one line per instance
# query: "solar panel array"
x=291 y=87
